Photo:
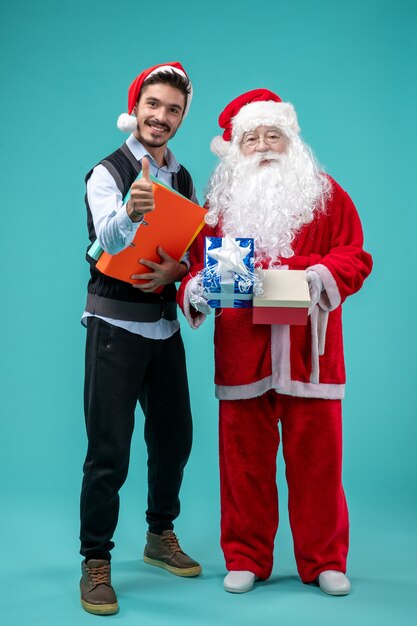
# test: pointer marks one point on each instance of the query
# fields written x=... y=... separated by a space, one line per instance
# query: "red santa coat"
x=304 y=361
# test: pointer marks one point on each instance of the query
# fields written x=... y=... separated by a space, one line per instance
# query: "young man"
x=268 y=186
x=134 y=349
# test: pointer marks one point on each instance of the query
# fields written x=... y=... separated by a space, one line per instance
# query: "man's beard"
x=154 y=142
x=267 y=202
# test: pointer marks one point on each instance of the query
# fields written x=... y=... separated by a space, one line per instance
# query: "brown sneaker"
x=97 y=594
x=165 y=551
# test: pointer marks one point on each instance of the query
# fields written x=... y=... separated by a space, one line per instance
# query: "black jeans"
x=121 y=368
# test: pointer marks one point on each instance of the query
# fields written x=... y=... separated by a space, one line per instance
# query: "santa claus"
x=269 y=186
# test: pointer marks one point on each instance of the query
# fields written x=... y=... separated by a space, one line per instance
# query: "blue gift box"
x=228 y=272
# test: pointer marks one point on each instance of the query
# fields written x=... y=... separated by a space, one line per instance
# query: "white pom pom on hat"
x=259 y=107
x=219 y=146
x=127 y=122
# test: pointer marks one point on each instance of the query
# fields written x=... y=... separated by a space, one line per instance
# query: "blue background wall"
x=349 y=69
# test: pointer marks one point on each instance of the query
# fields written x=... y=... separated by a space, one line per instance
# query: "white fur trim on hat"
x=127 y=123
x=219 y=146
x=167 y=68
x=265 y=113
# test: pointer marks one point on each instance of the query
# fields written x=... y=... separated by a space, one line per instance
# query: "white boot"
x=239 y=581
x=334 y=583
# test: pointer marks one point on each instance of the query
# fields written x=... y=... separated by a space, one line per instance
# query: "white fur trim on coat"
x=330 y=296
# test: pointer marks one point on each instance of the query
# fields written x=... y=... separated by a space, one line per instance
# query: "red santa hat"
x=127 y=122
x=259 y=107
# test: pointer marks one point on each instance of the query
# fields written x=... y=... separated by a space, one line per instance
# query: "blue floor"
x=39 y=577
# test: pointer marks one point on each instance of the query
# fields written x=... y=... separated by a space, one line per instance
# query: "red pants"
x=312 y=449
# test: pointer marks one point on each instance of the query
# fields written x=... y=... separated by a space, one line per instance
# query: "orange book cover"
x=173 y=225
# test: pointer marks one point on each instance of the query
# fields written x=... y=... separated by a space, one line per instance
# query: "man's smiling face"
x=159 y=113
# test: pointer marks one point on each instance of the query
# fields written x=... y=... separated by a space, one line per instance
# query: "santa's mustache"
x=260 y=157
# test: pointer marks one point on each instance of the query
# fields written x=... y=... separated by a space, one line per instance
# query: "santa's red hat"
x=127 y=122
x=259 y=107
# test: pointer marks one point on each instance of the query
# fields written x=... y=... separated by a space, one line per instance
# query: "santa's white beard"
x=267 y=202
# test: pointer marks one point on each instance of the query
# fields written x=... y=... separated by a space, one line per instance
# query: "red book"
x=173 y=225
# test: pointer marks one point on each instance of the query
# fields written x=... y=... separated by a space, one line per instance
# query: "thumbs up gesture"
x=141 y=199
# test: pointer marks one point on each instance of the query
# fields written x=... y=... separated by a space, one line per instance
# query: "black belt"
x=131 y=311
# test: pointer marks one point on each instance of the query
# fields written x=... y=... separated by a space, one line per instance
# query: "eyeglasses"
x=271 y=137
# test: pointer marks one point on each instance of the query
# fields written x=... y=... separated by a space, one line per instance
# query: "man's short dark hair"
x=172 y=78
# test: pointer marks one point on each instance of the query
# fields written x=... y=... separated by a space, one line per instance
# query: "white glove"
x=196 y=296
x=200 y=305
x=315 y=285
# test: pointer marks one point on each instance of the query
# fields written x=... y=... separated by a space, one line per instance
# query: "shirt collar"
x=139 y=151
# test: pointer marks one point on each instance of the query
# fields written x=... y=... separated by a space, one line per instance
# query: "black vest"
x=114 y=298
